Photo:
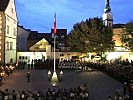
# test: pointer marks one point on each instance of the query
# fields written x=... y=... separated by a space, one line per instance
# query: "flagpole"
x=54 y=53
x=54 y=79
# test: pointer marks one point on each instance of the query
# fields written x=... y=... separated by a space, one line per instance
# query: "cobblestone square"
x=100 y=86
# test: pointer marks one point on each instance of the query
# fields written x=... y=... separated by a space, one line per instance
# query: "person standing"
x=1 y=79
x=28 y=76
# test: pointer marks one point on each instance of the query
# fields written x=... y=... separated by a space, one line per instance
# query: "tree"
x=127 y=35
x=91 y=36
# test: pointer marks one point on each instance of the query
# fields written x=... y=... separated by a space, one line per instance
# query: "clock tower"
x=107 y=16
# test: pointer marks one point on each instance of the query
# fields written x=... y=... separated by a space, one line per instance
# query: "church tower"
x=107 y=16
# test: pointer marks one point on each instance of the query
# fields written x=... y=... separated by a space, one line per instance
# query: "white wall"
x=11 y=21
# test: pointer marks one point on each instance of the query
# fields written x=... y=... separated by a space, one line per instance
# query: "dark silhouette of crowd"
x=121 y=70
x=79 y=93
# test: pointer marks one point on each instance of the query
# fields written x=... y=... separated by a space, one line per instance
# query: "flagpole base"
x=54 y=79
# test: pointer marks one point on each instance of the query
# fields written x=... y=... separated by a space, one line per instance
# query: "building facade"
x=22 y=37
x=8 y=31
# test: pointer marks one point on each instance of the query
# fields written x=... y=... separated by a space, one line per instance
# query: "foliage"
x=91 y=36
x=127 y=35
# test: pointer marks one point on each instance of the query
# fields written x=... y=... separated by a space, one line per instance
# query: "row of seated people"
x=76 y=65
x=70 y=65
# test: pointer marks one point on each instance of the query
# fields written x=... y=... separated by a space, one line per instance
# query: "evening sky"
x=38 y=15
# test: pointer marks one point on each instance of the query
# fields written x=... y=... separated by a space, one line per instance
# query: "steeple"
x=107 y=15
x=107 y=6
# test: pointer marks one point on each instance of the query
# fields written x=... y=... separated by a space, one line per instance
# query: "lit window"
x=11 y=45
x=7 y=29
x=0 y=47
x=0 y=42
x=0 y=54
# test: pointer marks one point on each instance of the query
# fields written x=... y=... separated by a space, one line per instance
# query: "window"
x=61 y=54
x=15 y=22
x=11 y=10
x=62 y=36
x=11 y=45
x=7 y=45
x=7 y=29
x=0 y=26
x=14 y=32
x=8 y=18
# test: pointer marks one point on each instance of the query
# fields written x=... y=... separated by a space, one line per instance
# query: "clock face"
x=107 y=16
x=110 y=16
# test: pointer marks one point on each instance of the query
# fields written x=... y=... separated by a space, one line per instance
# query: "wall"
x=11 y=34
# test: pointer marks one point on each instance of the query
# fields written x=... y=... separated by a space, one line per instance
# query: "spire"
x=107 y=6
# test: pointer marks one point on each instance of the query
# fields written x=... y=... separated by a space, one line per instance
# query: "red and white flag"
x=54 y=24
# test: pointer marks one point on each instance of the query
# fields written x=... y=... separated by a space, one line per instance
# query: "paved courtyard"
x=100 y=86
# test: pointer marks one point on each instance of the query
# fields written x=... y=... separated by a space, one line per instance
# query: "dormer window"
x=62 y=36
x=12 y=10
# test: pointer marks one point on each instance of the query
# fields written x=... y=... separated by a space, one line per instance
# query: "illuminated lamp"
x=54 y=80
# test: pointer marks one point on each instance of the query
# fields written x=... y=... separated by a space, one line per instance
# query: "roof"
x=60 y=31
x=118 y=25
x=3 y=4
x=34 y=35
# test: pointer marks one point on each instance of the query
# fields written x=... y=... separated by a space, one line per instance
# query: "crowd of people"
x=78 y=93
x=120 y=70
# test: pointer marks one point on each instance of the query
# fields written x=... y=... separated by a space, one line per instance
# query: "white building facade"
x=8 y=31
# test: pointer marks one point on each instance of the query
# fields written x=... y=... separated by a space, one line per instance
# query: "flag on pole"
x=54 y=24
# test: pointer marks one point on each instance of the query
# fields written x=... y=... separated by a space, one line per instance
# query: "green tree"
x=127 y=35
x=91 y=36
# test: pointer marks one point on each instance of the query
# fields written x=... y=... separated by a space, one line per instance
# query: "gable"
x=39 y=46
x=11 y=10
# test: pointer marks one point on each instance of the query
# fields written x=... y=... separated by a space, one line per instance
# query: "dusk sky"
x=38 y=15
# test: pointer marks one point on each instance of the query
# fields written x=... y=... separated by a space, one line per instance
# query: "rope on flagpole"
x=54 y=52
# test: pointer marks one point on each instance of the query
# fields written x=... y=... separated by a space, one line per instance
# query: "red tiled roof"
x=3 y=4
